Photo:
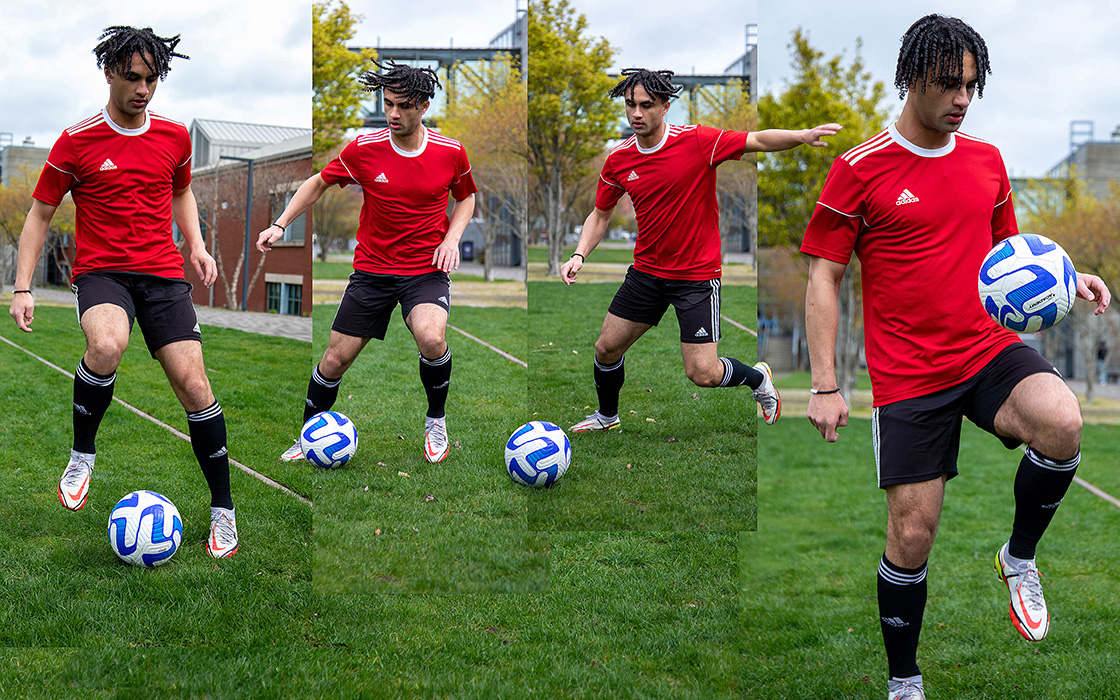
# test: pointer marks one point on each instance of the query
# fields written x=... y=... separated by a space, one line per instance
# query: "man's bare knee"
x=605 y=353
x=104 y=352
x=704 y=376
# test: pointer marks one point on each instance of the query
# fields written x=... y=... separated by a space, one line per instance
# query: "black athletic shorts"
x=369 y=300
x=918 y=439
x=162 y=306
x=643 y=298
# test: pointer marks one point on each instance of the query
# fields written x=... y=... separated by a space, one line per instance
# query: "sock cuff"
x=438 y=361
x=88 y=376
x=899 y=576
x=319 y=379
x=212 y=411
x=1043 y=462
x=609 y=368
x=728 y=370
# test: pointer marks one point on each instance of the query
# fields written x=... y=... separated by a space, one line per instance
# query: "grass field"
x=60 y=583
x=391 y=522
x=808 y=611
x=684 y=458
x=333 y=270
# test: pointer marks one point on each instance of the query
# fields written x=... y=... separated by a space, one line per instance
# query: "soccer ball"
x=537 y=454
x=328 y=439
x=1027 y=283
x=145 y=529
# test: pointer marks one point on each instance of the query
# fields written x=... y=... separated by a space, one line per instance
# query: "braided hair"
x=656 y=83
x=114 y=53
x=937 y=43
x=417 y=84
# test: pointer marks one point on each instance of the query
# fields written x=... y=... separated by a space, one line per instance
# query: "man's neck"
x=126 y=121
x=913 y=131
x=654 y=138
x=412 y=142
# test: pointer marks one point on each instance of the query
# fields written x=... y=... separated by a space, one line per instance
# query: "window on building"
x=284 y=298
x=296 y=231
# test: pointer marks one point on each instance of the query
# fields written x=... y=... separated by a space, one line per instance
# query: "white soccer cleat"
x=73 y=487
x=1028 y=607
x=436 y=444
x=223 y=534
x=767 y=395
x=596 y=421
x=908 y=689
x=293 y=453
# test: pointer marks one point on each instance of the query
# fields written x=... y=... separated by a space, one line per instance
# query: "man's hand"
x=204 y=266
x=446 y=257
x=267 y=237
x=23 y=311
x=827 y=412
x=813 y=136
x=1092 y=288
x=569 y=271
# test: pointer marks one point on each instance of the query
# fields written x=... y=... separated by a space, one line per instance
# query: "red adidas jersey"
x=921 y=222
x=404 y=214
x=122 y=181
x=673 y=188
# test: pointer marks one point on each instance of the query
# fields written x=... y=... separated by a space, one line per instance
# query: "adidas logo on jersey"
x=108 y=165
x=702 y=333
x=381 y=178
x=907 y=197
x=633 y=176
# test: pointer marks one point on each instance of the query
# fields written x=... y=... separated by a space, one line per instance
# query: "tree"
x=570 y=114
x=336 y=217
x=820 y=91
x=486 y=112
x=15 y=202
x=336 y=95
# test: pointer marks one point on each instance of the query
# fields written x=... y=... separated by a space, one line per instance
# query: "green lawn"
x=60 y=583
x=684 y=458
x=808 y=610
x=341 y=270
x=602 y=254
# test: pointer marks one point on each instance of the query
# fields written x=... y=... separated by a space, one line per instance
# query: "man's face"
x=645 y=113
x=131 y=92
x=943 y=105
x=403 y=115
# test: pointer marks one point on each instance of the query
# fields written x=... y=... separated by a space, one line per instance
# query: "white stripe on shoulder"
x=67 y=172
x=610 y=183
x=963 y=135
x=869 y=143
x=160 y=117
x=86 y=124
x=868 y=151
x=444 y=141
x=625 y=144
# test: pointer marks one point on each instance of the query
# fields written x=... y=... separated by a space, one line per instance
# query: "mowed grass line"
x=60 y=583
x=630 y=615
x=684 y=458
x=391 y=522
x=809 y=615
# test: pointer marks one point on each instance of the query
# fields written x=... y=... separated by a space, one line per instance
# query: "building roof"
x=242 y=134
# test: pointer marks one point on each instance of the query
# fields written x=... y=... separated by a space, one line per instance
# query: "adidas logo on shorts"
x=907 y=197
x=108 y=165
x=702 y=333
x=443 y=300
x=633 y=176
x=381 y=178
x=197 y=329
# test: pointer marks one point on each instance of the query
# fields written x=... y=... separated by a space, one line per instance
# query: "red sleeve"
x=59 y=174
x=338 y=171
x=839 y=216
x=608 y=191
x=182 y=176
x=1003 y=216
x=463 y=186
x=718 y=145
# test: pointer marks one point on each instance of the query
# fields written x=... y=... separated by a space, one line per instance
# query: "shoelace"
x=1030 y=587
x=75 y=473
x=764 y=398
x=438 y=437
x=224 y=530
x=908 y=691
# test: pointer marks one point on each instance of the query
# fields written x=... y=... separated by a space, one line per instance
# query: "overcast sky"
x=250 y=61
x=1052 y=62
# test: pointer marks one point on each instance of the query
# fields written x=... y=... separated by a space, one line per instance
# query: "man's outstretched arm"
x=784 y=139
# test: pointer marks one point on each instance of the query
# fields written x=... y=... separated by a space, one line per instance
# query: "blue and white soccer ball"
x=145 y=529
x=537 y=454
x=1027 y=283
x=328 y=439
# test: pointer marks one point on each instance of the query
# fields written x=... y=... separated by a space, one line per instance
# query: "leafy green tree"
x=570 y=115
x=336 y=94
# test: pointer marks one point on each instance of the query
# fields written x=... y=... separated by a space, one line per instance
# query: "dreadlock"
x=417 y=84
x=114 y=53
x=656 y=83
x=938 y=42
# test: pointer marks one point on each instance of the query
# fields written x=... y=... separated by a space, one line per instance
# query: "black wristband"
x=830 y=391
x=22 y=291
x=581 y=255
x=277 y=225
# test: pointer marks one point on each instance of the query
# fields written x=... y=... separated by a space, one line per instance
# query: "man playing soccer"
x=128 y=171
x=670 y=174
x=406 y=243
x=921 y=204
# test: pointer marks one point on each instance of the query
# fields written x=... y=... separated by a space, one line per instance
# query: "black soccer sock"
x=608 y=383
x=736 y=373
x=435 y=375
x=1040 y=486
x=902 y=601
x=208 y=440
x=93 y=393
x=321 y=394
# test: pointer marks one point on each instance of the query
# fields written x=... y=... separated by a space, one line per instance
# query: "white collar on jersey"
x=656 y=148
x=410 y=154
x=123 y=131
x=918 y=150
